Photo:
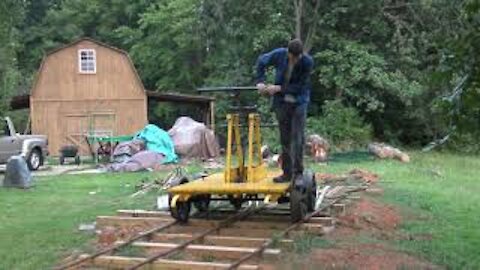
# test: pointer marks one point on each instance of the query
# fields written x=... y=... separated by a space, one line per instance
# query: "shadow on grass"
x=351 y=157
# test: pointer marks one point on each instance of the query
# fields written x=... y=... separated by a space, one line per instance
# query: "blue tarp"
x=158 y=140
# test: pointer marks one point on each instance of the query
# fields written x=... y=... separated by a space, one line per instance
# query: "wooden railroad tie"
x=240 y=244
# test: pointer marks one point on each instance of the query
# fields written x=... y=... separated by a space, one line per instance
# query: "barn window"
x=87 y=62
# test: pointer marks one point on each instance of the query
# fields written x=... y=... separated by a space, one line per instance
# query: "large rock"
x=17 y=174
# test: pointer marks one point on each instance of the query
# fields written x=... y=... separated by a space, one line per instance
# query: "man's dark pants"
x=291 y=120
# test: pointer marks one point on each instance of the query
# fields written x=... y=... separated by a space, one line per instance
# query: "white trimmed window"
x=87 y=61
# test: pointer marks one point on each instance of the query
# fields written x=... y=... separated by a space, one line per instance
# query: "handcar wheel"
x=311 y=184
x=298 y=206
x=202 y=202
x=181 y=212
x=236 y=202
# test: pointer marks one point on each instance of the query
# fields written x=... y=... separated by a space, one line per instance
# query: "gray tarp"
x=140 y=161
x=193 y=139
x=125 y=150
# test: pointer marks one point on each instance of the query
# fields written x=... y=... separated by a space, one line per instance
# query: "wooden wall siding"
x=59 y=120
x=62 y=98
x=59 y=78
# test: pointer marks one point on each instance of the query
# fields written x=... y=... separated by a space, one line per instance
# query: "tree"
x=11 y=14
x=459 y=78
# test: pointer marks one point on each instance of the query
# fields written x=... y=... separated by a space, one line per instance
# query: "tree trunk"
x=299 y=5
x=313 y=28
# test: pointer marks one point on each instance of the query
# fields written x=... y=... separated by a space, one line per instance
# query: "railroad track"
x=221 y=239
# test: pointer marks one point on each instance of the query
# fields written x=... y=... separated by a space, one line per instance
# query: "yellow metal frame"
x=251 y=178
x=255 y=170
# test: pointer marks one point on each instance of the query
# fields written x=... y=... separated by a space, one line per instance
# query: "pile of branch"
x=172 y=179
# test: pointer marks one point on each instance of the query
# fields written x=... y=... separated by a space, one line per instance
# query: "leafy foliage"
x=394 y=62
x=341 y=126
x=11 y=14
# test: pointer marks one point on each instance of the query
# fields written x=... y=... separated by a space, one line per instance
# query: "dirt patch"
x=364 y=256
x=360 y=241
x=375 y=220
x=368 y=215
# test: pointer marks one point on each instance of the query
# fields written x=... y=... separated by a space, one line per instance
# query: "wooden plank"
x=237 y=241
x=102 y=220
x=214 y=215
x=270 y=212
x=261 y=233
x=210 y=252
x=119 y=262
x=316 y=229
x=325 y=221
x=142 y=213
x=245 y=232
x=240 y=228
x=134 y=225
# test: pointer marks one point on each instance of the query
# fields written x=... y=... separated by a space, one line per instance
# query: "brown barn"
x=86 y=88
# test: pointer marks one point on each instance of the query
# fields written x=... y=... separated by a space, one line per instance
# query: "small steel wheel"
x=298 y=204
x=181 y=212
x=311 y=186
x=202 y=202
x=236 y=202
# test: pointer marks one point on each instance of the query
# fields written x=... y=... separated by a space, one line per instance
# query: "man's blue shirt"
x=299 y=85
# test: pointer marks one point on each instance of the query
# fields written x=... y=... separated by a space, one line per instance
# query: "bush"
x=467 y=143
x=342 y=126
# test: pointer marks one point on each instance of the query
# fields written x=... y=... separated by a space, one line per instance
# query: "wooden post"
x=212 y=115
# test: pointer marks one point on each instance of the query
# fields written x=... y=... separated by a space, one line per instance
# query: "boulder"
x=17 y=173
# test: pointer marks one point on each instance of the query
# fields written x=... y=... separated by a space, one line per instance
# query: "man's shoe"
x=282 y=179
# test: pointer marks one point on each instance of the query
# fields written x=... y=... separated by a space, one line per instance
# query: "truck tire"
x=34 y=159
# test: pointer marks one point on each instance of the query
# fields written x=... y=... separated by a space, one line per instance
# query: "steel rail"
x=292 y=227
x=227 y=89
x=117 y=246
x=222 y=224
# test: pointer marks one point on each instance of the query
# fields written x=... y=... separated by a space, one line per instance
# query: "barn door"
x=78 y=126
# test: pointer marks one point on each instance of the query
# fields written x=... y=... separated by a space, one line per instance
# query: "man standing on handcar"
x=291 y=95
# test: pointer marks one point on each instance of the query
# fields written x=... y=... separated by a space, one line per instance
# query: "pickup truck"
x=32 y=147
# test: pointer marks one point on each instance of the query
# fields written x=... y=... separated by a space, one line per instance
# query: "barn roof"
x=23 y=101
x=91 y=40
x=85 y=39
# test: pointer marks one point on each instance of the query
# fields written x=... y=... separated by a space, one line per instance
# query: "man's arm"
x=266 y=60
x=295 y=88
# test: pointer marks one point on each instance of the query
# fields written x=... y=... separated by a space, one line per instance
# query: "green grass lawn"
x=442 y=192
x=40 y=226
